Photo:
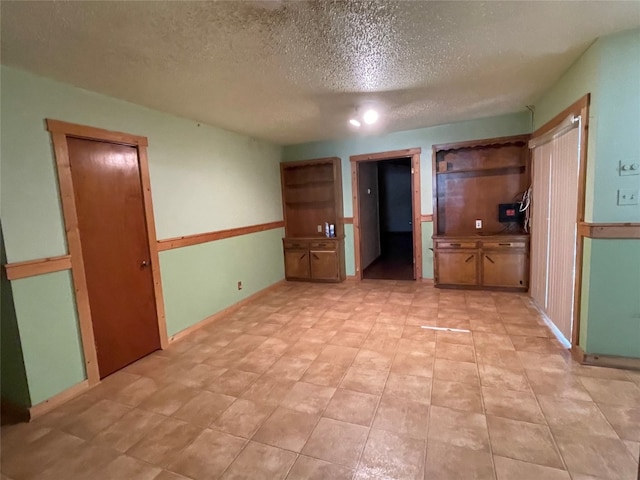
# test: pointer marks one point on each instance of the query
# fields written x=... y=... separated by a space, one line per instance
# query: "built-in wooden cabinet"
x=470 y=181
x=499 y=261
x=311 y=197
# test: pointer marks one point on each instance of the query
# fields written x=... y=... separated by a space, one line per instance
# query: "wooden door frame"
x=414 y=154
x=60 y=131
x=580 y=107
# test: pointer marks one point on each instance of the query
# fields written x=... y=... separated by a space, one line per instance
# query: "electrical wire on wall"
x=525 y=203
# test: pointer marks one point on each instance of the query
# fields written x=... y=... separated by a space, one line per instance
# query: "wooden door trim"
x=579 y=107
x=414 y=154
x=93 y=133
x=145 y=181
x=60 y=131
x=390 y=155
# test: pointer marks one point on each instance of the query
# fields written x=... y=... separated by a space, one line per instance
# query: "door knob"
x=144 y=263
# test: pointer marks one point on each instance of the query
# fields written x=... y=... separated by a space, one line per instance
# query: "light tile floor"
x=341 y=382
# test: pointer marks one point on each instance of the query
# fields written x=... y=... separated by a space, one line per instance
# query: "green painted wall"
x=202 y=179
x=13 y=376
x=49 y=332
x=610 y=71
x=614 y=326
x=425 y=138
x=618 y=133
x=196 y=280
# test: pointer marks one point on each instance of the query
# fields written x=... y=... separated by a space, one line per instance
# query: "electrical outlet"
x=478 y=224
x=319 y=228
x=240 y=285
x=630 y=168
x=627 y=196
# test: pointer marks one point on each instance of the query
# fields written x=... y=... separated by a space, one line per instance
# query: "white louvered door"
x=556 y=165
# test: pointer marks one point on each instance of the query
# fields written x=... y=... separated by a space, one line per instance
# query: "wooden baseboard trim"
x=40 y=266
x=595 y=359
x=609 y=230
x=426 y=281
x=189 y=240
x=222 y=313
x=57 y=400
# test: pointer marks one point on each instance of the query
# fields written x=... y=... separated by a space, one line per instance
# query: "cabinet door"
x=324 y=265
x=457 y=267
x=504 y=269
x=296 y=263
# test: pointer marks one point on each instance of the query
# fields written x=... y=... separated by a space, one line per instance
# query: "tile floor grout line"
x=484 y=410
x=375 y=412
x=433 y=376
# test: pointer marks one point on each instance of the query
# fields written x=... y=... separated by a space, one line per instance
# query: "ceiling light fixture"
x=370 y=117
x=354 y=122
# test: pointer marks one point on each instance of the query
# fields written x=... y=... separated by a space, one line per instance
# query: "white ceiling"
x=292 y=72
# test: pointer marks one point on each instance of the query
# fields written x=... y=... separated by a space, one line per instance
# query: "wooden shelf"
x=311 y=197
x=312 y=183
x=486 y=171
x=308 y=202
x=470 y=181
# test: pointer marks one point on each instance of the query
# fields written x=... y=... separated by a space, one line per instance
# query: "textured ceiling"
x=292 y=72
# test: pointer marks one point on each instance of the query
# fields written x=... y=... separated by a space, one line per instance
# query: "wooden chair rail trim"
x=93 y=133
x=426 y=218
x=40 y=266
x=408 y=152
x=609 y=230
x=189 y=240
x=348 y=220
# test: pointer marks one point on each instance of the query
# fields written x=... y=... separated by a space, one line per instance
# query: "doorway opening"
x=394 y=222
x=386 y=215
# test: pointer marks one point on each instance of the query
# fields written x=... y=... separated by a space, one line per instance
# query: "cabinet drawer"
x=296 y=244
x=504 y=244
x=323 y=245
x=455 y=244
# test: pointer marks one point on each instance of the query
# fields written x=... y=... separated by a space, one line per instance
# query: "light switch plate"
x=627 y=196
x=629 y=168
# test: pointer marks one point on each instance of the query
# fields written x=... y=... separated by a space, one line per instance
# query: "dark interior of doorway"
x=395 y=261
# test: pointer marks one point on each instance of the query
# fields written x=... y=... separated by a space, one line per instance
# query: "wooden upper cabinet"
x=311 y=197
x=470 y=180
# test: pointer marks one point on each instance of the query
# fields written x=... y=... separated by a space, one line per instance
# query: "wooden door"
x=115 y=250
x=504 y=269
x=296 y=263
x=324 y=265
x=457 y=267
